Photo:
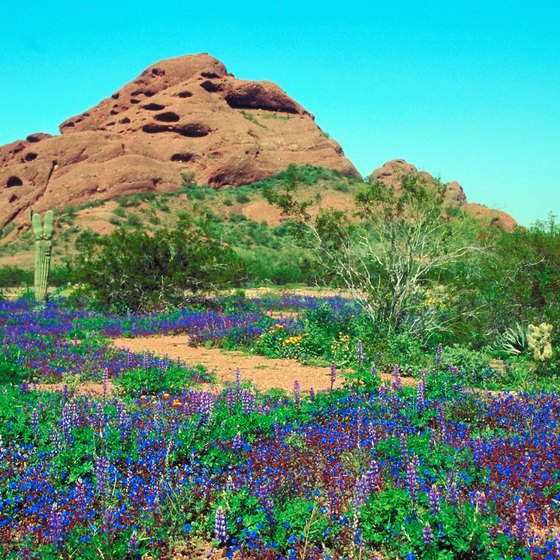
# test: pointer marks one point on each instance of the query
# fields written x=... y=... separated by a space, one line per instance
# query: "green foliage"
x=10 y=370
x=513 y=341
x=466 y=533
x=153 y=381
x=242 y=197
x=120 y=212
x=134 y=270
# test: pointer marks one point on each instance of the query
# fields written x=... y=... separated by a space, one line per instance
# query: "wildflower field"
x=154 y=466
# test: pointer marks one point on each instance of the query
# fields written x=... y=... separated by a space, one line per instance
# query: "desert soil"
x=264 y=373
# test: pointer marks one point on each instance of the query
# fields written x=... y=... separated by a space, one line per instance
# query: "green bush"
x=153 y=381
x=137 y=271
x=242 y=198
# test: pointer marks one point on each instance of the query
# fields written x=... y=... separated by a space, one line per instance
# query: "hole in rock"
x=12 y=198
x=255 y=99
x=184 y=94
x=211 y=86
x=169 y=116
x=115 y=95
x=30 y=156
x=153 y=128
x=192 y=130
x=182 y=157
x=33 y=138
x=114 y=112
x=153 y=107
x=125 y=120
x=158 y=72
x=209 y=75
x=134 y=100
x=14 y=181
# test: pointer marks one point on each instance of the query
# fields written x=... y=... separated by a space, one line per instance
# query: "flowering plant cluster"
x=371 y=470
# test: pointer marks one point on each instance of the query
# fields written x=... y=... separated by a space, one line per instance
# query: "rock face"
x=391 y=173
x=182 y=115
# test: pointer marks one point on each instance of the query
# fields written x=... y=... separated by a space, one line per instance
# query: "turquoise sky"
x=468 y=90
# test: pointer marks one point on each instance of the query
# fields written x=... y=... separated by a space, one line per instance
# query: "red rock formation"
x=181 y=115
x=390 y=174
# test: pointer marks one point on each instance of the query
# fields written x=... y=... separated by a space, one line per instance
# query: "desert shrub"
x=11 y=276
x=154 y=380
x=134 y=220
x=137 y=271
x=242 y=197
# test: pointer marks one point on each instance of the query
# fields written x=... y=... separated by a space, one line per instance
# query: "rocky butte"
x=182 y=115
x=391 y=173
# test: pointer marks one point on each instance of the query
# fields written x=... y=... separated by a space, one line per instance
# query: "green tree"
x=391 y=250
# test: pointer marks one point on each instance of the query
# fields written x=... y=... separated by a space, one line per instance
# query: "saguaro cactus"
x=43 y=245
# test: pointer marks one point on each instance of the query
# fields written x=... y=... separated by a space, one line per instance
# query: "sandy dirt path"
x=264 y=373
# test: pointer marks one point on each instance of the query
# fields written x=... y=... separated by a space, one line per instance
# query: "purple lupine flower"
x=129 y=476
x=100 y=419
x=265 y=497
x=404 y=446
x=238 y=380
x=105 y=381
x=230 y=484
x=206 y=403
x=557 y=546
x=35 y=422
x=333 y=375
x=133 y=543
x=434 y=500
x=237 y=442
x=453 y=494
x=361 y=491
x=231 y=398
x=397 y=382
x=23 y=387
x=373 y=371
x=480 y=502
x=427 y=535
x=412 y=478
x=247 y=402
x=521 y=521
x=65 y=393
x=101 y=471
x=373 y=434
x=124 y=423
x=373 y=475
x=360 y=354
x=55 y=524
x=80 y=496
x=297 y=393
x=57 y=445
x=67 y=421
x=220 y=526
x=311 y=394
x=478 y=452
